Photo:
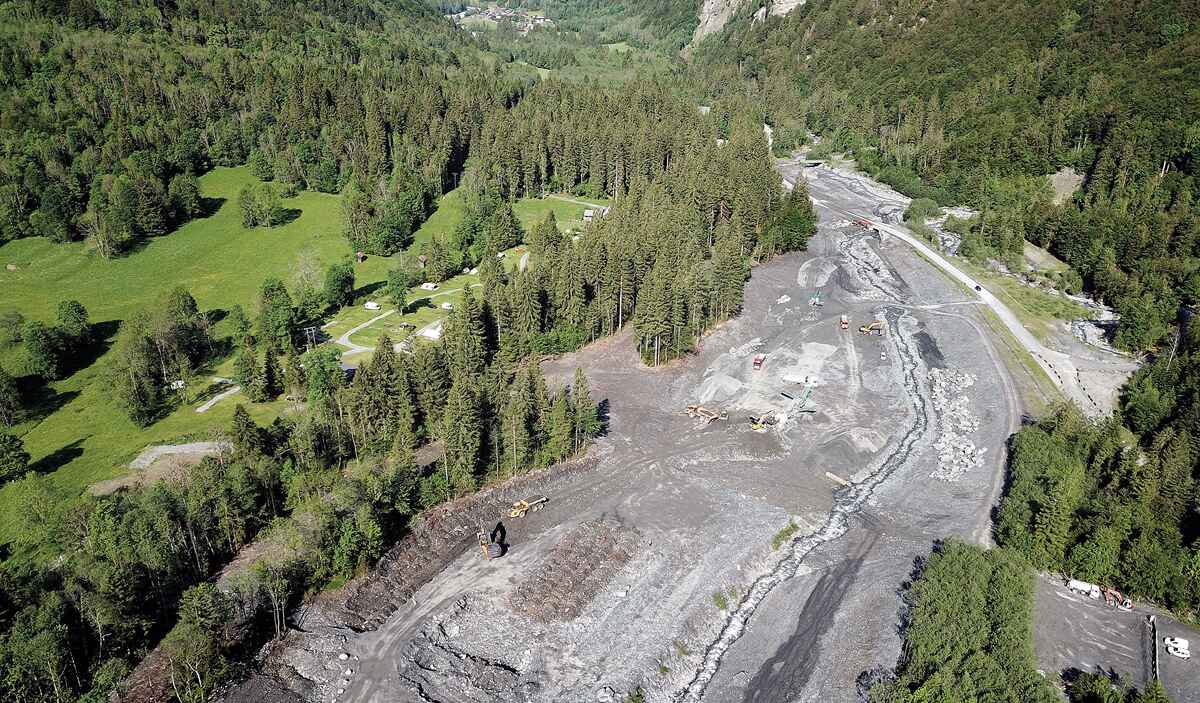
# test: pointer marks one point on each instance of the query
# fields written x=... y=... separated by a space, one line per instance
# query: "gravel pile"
x=748 y=348
x=957 y=423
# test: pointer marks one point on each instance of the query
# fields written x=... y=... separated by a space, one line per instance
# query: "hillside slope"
x=974 y=102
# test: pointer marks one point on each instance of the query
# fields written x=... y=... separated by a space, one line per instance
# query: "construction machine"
x=532 y=503
x=760 y=423
x=490 y=549
x=864 y=223
x=801 y=404
x=875 y=328
x=815 y=300
x=844 y=322
x=706 y=414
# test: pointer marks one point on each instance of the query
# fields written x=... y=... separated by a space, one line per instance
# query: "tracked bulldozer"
x=533 y=503
x=760 y=423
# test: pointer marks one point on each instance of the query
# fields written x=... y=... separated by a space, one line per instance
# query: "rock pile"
x=956 y=452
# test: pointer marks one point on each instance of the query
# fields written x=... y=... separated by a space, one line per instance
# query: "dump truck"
x=875 y=328
x=1090 y=590
x=707 y=414
x=844 y=322
x=534 y=503
x=758 y=361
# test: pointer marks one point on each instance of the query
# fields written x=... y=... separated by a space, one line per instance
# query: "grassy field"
x=82 y=437
x=78 y=436
x=1039 y=310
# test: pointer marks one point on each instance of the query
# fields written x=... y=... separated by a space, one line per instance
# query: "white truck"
x=1090 y=590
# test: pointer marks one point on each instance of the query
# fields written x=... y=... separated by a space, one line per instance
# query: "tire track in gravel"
x=848 y=501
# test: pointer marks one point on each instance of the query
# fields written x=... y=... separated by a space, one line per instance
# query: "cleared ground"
x=1075 y=632
x=700 y=505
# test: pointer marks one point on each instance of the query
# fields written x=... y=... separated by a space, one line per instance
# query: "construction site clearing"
x=747 y=548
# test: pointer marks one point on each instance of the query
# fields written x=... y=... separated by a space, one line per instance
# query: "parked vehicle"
x=1177 y=642
x=1090 y=590
x=1180 y=653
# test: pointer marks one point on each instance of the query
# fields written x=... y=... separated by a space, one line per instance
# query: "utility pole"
x=310 y=338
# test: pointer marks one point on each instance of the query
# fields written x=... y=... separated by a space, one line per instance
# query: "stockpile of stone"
x=956 y=425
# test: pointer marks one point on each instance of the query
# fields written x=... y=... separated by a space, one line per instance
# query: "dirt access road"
x=615 y=584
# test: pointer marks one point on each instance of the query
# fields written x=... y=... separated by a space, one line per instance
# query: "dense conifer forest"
x=974 y=102
x=110 y=114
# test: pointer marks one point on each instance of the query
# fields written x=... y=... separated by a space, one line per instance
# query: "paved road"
x=849 y=195
x=565 y=199
x=217 y=398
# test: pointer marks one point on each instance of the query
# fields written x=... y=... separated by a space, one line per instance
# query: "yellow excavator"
x=876 y=328
x=706 y=414
x=490 y=548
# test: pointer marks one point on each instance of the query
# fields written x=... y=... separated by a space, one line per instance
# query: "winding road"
x=825 y=184
x=352 y=348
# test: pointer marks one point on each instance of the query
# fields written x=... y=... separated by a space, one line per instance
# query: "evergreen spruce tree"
x=293 y=378
x=465 y=340
x=245 y=367
x=516 y=435
x=247 y=437
x=430 y=380
x=268 y=383
x=10 y=400
x=559 y=443
x=462 y=434
x=586 y=422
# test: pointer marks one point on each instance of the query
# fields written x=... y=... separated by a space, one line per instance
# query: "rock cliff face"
x=782 y=7
x=713 y=16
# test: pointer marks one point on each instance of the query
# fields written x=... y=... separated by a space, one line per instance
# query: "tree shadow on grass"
x=40 y=400
x=368 y=289
x=287 y=215
x=59 y=458
x=103 y=336
x=209 y=207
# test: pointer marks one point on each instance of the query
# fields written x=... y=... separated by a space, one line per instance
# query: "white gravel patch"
x=956 y=425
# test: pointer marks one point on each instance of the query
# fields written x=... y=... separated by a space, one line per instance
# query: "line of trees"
x=1102 y=88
